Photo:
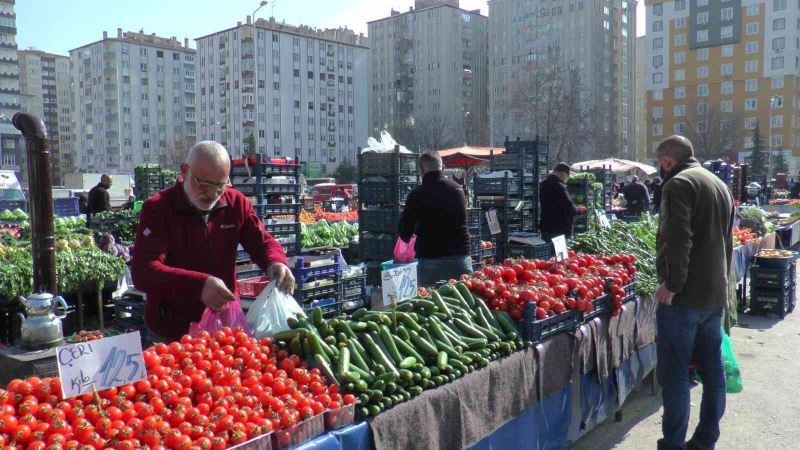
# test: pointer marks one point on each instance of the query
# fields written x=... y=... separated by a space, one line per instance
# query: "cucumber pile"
x=385 y=358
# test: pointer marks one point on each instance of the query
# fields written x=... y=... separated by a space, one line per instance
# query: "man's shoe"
x=691 y=445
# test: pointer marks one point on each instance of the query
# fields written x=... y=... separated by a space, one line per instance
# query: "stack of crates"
x=479 y=255
x=353 y=293
x=721 y=169
x=319 y=284
x=384 y=182
x=604 y=176
x=273 y=187
x=739 y=183
x=582 y=194
x=515 y=197
x=772 y=285
x=149 y=179
x=129 y=313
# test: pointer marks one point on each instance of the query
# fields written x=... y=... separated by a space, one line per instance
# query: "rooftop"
x=140 y=38
x=394 y=13
x=342 y=35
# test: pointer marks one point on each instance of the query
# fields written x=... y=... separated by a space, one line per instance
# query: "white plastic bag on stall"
x=270 y=311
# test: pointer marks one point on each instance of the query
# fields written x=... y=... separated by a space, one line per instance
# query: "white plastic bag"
x=270 y=312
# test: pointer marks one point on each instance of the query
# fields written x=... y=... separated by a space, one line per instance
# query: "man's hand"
x=282 y=276
x=663 y=295
x=215 y=294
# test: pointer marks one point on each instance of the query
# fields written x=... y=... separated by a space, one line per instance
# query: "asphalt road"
x=764 y=416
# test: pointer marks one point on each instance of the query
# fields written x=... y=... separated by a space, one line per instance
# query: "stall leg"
x=80 y=309
x=100 y=306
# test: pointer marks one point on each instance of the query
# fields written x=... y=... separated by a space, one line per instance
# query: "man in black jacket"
x=555 y=204
x=637 y=197
x=99 y=200
x=437 y=212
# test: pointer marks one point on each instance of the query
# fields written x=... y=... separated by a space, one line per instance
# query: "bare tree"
x=177 y=149
x=428 y=131
x=546 y=100
x=711 y=130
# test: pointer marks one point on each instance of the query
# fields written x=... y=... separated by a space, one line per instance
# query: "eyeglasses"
x=208 y=185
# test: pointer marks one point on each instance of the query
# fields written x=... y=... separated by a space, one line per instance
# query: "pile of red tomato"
x=204 y=392
x=553 y=286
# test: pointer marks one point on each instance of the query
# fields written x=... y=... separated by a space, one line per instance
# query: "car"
x=326 y=191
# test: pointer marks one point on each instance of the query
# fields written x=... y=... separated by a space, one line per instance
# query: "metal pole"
x=40 y=176
x=769 y=147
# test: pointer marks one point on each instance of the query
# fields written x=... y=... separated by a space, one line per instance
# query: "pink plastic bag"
x=404 y=252
x=230 y=316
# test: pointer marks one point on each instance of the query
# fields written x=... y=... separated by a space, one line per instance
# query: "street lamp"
x=255 y=70
x=772 y=102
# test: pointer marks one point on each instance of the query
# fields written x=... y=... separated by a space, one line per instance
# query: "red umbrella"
x=468 y=157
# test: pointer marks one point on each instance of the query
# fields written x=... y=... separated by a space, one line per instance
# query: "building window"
x=679 y=128
x=753 y=10
x=750 y=123
x=727 y=14
x=726 y=32
x=680 y=57
x=658 y=43
x=751 y=47
x=779 y=5
x=702 y=90
x=658 y=25
x=778 y=101
x=702 y=18
x=702 y=72
x=777 y=82
x=777 y=62
x=726 y=106
x=726 y=70
x=702 y=35
x=750 y=104
x=679 y=110
x=658 y=95
x=658 y=8
x=752 y=28
x=751 y=85
x=702 y=109
x=777 y=140
x=658 y=112
x=777 y=121
x=727 y=51
x=751 y=66
x=658 y=61
x=679 y=75
x=680 y=5
x=726 y=88
x=680 y=22
x=680 y=39
x=702 y=2
x=779 y=24
x=680 y=92
x=658 y=130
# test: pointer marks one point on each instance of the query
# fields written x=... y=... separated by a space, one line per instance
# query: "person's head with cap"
x=206 y=174
x=673 y=151
x=562 y=170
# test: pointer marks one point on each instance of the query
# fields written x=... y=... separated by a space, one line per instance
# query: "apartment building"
x=134 y=97
x=594 y=39
x=285 y=91
x=45 y=91
x=717 y=68
x=640 y=103
x=12 y=154
x=429 y=75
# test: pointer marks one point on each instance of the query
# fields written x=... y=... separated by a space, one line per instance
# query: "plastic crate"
x=252 y=287
x=242 y=255
x=276 y=229
x=383 y=220
x=129 y=309
x=535 y=330
x=325 y=291
x=330 y=306
x=496 y=186
x=376 y=249
x=765 y=277
x=474 y=245
x=66 y=207
x=775 y=263
x=298 y=434
x=778 y=301
x=385 y=192
x=602 y=305
x=277 y=209
x=302 y=273
x=474 y=217
x=354 y=287
x=630 y=288
x=268 y=189
x=385 y=164
x=338 y=418
x=13 y=204
x=541 y=251
x=263 y=442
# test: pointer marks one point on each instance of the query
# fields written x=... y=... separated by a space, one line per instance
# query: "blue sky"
x=57 y=26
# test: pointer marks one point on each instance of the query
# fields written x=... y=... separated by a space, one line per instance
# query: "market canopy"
x=468 y=156
x=616 y=166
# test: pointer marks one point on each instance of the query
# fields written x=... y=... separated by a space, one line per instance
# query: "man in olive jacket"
x=695 y=245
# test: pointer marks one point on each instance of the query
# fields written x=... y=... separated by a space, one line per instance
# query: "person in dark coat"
x=637 y=198
x=556 y=206
x=795 y=192
x=657 y=195
x=99 y=200
x=436 y=212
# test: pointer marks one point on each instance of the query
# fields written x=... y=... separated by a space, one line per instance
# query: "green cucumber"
x=288 y=335
x=441 y=360
x=438 y=333
x=358 y=314
x=403 y=333
x=465 y=293
x=406 y=349
x=356 y=356
x=407 y=362
x=406 y=375
x=320 y=359
x=377 y=354
x=388 y=343
x=468 y=330
x=343 y=364
x=425 y=346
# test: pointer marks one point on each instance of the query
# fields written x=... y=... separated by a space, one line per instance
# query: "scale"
x=17 y=362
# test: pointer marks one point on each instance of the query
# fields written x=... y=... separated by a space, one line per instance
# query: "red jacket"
x=176 y=251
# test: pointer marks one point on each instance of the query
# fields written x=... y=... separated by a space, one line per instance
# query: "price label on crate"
x=560 y=246
x=602 y=219
x=400 y=282
x=491 y=220
x=100 y=364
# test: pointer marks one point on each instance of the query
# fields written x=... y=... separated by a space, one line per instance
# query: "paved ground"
x=764 y=416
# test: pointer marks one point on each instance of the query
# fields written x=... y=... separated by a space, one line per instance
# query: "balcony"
x=247 y=39
x=112 y=134
x=331 y=128
x=331 y=98
x=7 y=45
x=331 y=69
x=330 y=54
x=109 y=54
x=248 y=55
x=331 y=113
x=109 y=70
x=9 y=91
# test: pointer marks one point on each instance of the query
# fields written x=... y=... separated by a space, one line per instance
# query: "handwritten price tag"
x=400 y=282
x=560 y=247
x=103 y=363
x=602 y=220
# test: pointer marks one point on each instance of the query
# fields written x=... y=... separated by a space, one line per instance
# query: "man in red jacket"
x=185 y=252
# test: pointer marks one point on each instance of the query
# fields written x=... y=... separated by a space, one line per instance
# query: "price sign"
x=560 y=245
x=491 y=220
x=602 y=219
x=100 y=364
x=401 y=282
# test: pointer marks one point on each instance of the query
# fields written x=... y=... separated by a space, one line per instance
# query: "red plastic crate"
x=251 y=287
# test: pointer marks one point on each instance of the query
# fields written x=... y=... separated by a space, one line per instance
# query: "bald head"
x=106 y=180
x=208 y=152
x=206 y=174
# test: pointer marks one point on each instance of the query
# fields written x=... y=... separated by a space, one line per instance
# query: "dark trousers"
x=683 y=332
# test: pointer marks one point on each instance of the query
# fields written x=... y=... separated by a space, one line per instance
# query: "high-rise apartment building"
x=592 y=44
x=429 y=75
x=12 y=154
x=286 y=91
x=134 y=97
x=717 y=68
x=45 y=91
x=640 y=103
